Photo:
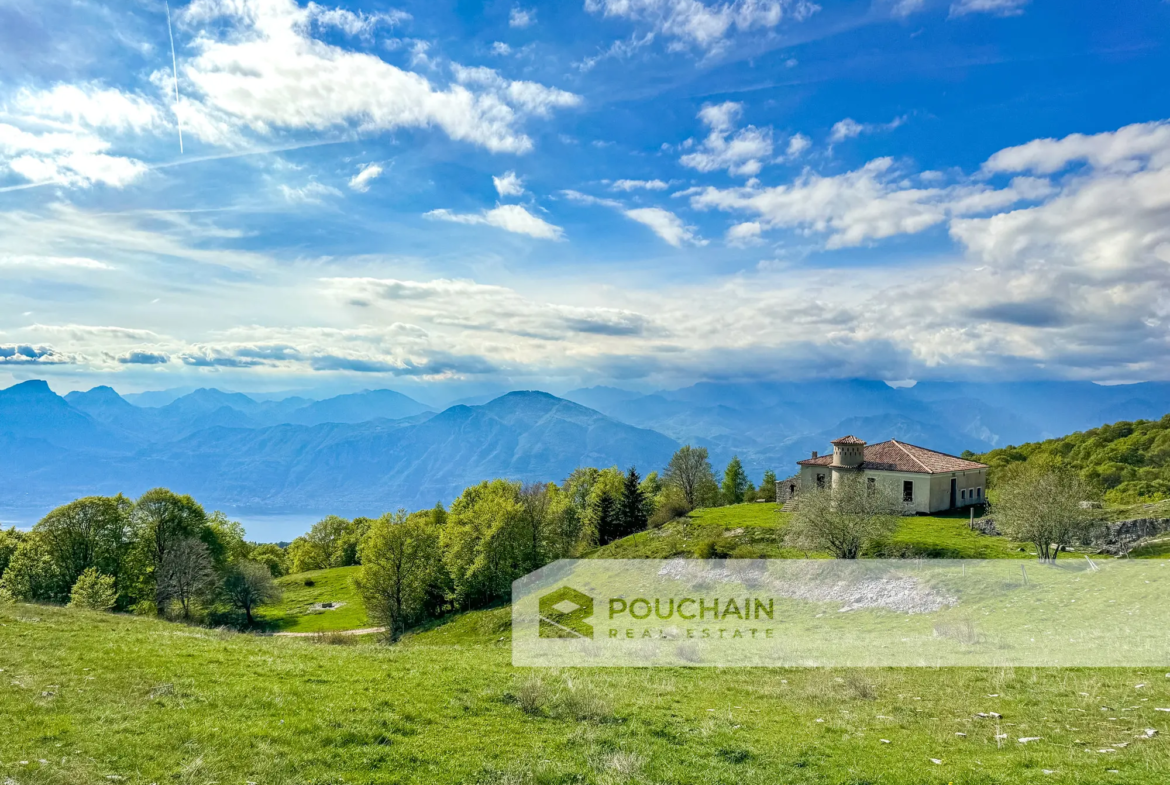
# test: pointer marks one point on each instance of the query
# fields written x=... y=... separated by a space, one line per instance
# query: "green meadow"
x=99 y=698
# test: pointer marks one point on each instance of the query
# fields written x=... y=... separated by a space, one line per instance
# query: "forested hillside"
x=1128 y=461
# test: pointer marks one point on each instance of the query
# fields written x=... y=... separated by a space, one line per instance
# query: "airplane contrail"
x=175 y=72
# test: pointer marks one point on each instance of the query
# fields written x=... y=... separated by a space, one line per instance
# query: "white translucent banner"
x=929 y=613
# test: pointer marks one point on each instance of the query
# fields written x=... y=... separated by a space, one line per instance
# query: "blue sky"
x=645 y=193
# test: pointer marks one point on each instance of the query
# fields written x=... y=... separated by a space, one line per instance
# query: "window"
x=979 y=492
x=963 y=494
x=820 y=481
x=907 y=490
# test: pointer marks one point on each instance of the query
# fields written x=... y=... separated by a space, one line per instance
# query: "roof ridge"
x=902 y=447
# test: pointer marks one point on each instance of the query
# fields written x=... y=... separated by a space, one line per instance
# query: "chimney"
x=814 y=453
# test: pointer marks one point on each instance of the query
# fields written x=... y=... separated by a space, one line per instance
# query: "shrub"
x=668 y=510
x=94 y=591
x=310 y=582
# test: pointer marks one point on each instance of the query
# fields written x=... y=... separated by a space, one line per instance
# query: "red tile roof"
x=895 y=456
x=850 y=439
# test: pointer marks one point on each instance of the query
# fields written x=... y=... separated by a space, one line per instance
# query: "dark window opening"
x=907 y=490
x=979 y=492
x=820 y=481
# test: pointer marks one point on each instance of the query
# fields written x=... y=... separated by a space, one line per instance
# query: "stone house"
x=927 y=481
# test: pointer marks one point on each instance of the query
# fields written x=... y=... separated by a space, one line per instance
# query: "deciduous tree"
x=401 y=561
x=1042 y=505
x=689 y=472
x=844 y=517
x=248 y=585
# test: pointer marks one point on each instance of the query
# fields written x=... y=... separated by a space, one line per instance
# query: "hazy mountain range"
x=369 y=452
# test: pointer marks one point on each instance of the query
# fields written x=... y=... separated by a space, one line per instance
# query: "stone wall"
x=1110 y=538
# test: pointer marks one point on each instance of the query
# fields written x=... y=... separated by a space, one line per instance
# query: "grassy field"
x=95 y=698
x=755 y=531
x=301 y=608
x=100 y=698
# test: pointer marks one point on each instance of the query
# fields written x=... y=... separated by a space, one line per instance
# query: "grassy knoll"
x=299 y=610
x=87 y=698
x=754 y=531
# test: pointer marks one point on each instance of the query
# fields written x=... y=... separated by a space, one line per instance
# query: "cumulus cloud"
x=26 y=354
x=996 y=7
x=501 y=49
x=263 y=71
x=694 y=23
x=143 y=358
x=361 y=181
x=74 y=158
x=508 y=184
x=797 y=145
x=90 y=104
x=870 y=203
x=509 y=217
x=740 y=153
x=666 y=225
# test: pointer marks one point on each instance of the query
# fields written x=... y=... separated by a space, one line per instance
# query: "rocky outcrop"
x=1113 y=538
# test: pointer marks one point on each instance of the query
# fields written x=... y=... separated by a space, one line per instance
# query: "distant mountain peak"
x=33 y=388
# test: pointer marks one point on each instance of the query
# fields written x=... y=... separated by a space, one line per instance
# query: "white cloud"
x=580 y=198
x=633 y=185
x=51 y=262
x=846 y=129
x=354 y=23
x=1128 y=149
x=500 y=48
x=850 y=128
x=76 y=158
x=91 y=105
x=264 y=72
x=870 y=203
x=666 y=225
x=509 y=217
x=904 y=8
x=521 y=18
x=739 y=154
x=361 y=181
x=619 y=50
x=747 y=233
x=530 y=97
x=508 y=184
x=996 y=7
x=797 y=145
x=695 y=23
x=310 y=193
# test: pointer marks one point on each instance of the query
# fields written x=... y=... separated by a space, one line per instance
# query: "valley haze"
x=278 y=465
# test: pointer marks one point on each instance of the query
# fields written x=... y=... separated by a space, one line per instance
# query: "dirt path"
x=363 y=631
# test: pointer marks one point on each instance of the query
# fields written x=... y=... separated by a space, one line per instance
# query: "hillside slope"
x=1129 y=461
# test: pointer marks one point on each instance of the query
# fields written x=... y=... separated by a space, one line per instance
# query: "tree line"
x=160 y=554
x=163 y=554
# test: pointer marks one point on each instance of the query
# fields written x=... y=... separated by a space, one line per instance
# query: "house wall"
x=932 y=492
x=969 y=480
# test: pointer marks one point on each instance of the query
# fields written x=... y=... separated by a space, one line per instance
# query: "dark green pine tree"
x=605 y=518
x=632 y=505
